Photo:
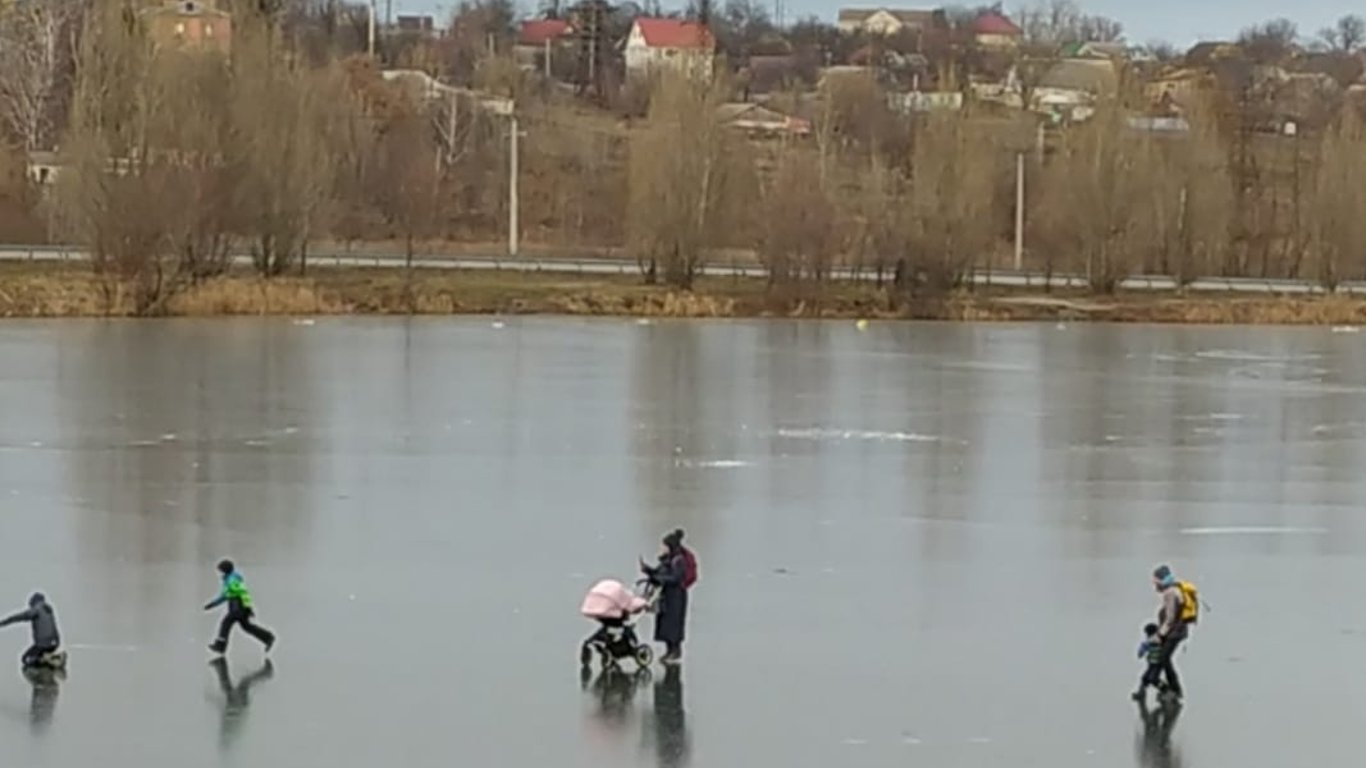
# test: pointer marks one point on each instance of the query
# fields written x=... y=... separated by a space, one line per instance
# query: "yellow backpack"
x=1190 y=602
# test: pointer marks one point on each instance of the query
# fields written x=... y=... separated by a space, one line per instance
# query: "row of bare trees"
x=175 y=164
x=172 y=158
x=933 y=198
x=174 y=161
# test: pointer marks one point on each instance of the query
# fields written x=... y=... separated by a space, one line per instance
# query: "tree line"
x=172 y=161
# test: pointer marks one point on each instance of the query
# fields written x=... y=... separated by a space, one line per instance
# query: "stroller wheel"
x=644 y=655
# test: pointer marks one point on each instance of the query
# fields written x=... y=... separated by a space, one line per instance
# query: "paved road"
x=607 y=266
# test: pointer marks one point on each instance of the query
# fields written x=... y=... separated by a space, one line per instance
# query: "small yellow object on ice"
x=862 y=325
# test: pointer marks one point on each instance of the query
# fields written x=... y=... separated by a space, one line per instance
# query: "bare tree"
x=952 y=199
x=194 y=167
x=405 y=184
x=1099 y=29
x=1059 y=22
x=1162 y=51
x=149 y=182
x=1270 y=42
x=111 y=191
x=36 y=40
x=1347 y=35
x=1052 y=23
x=679 y=176
x=453 y=123
x=1337 y=228
x=281 y=122
x=1097 y=197
x=798 y=222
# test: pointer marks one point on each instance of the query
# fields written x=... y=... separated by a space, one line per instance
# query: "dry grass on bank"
x=49 y=290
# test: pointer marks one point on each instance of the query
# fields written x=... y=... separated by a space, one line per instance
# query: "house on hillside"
x=423 y=26
x=888 y=21
x=1307 y=99
x=1207 y=53
x=761 y=121
x=1344 y=68
x=925 y=101
x=538 y=38
x=670 y=44
x=44 y=167
x=197 y=25
x=993 y=30
x=1070 y=89
x=1181 y=86
x=1092 y=50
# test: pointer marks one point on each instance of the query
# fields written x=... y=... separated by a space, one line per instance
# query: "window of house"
x=180 y=28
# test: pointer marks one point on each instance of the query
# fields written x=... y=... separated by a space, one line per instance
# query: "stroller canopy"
x=610 y=599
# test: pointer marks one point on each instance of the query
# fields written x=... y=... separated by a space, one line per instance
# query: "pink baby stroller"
x=612 y=605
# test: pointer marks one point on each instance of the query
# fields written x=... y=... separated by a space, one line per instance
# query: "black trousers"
x=34 y=653
x=1152 y=676
x=243 y=618
x=1169 y=647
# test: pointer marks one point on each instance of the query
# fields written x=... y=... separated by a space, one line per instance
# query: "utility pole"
x=512 y=183
x=370 y=30
x=1019 y=210
x=547 y=59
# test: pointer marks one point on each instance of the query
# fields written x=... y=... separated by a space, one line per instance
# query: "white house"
x=656 y=44
x=888 y=21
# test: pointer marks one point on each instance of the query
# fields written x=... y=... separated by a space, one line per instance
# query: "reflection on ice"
x=818 y=433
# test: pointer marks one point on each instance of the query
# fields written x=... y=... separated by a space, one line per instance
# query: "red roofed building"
x=992 y=29
x=672 y=44
x=538 y=32
x=539 y=38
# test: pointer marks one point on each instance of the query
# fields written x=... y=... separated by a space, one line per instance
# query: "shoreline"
x=34 y=290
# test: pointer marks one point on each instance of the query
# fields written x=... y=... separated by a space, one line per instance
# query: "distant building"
x=1093 y=50
x=536 y=36
x=189 y=25
x=888 y=21
x=416 y=25
x=43 y=167
x=670 y=44
x=992 y=29
x=925 y=101
x=758 y=120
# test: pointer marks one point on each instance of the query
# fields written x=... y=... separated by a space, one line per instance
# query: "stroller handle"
x=646 y=589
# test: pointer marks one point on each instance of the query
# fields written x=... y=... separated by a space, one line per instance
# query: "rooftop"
x=674 y=33
x=905 y=16
x=541 y=31
x=993 y=23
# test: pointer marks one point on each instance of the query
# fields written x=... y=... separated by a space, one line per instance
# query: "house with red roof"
x=677 y=44
x=538 y=38
x=993 y=29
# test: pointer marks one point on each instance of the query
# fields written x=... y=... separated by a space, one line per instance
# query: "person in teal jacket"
x=240 y=610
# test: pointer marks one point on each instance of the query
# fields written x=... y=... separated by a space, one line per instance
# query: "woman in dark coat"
x=671 y=612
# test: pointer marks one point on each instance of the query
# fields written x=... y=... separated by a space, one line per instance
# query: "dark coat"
x=671 y=613
x=43 y=621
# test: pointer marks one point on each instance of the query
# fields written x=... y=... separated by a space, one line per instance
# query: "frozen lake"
x=919 y=544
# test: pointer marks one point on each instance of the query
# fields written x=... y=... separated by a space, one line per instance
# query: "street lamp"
x=508 y=108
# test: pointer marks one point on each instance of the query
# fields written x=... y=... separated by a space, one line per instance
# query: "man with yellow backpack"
x=1179 y=611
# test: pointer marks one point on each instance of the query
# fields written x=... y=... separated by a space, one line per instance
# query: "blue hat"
x=1163 y=574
